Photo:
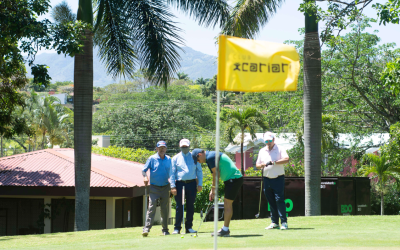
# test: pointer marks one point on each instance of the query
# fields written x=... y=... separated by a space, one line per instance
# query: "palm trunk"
x=43 y=138
x=312 y=116
x=382 y=200
x=83 y=96
x=241 y=154
x=1 y=146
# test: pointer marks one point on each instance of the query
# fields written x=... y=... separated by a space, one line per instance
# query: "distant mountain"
x=193 y=63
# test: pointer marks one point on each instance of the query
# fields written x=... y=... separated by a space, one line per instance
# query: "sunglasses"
x=268 y=141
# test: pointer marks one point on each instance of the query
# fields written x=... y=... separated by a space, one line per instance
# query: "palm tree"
x=128 y=33
x=54 y=123
x=245 y=21
x=248 y=17
x=46 y=117
x=201 y=81
x=312 y=115
x=383 y=170
x=182 y=76
x=247 y=120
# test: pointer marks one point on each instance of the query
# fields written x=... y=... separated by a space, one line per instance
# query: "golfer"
x=231 y=177
x=272 y=158
x=159 y=165
x=185 y=173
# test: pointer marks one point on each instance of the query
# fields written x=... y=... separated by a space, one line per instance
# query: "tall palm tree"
x=245 y=21
x=383 y=170
x=249 y=16
x=247 y=120
x=128 y=33
x=312 y=115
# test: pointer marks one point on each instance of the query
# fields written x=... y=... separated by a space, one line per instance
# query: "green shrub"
x=391 y=200
x=252 y=172
x=137 y=155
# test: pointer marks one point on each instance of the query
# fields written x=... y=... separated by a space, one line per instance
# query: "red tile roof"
x=55 y=167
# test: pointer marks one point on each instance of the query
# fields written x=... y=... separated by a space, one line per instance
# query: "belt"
x=274 y=177
x=188 y=181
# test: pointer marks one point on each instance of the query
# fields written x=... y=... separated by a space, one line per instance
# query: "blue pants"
x=274 y=190
x=190 y=195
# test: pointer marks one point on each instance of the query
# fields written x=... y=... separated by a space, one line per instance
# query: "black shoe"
x=166 y=233
x=222 y=233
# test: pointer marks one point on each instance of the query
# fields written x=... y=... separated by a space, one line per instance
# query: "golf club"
x=183 y=210
x=145 y=201
x=145 y=204
x=202 y=218
x=261 y=187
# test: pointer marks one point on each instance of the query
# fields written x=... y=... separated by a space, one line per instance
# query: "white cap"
x=184 y=142
x=268 y=136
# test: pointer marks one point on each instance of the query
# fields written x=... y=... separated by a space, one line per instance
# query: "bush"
x=252 y=172
x=391 y=200
x=137 y=155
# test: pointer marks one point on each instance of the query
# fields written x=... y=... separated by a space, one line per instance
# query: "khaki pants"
x=162 y=193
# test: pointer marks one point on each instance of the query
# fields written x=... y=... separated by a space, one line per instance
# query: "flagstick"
x=216 y=205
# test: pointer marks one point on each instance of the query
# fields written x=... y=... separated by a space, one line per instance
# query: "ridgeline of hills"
x=193 y=63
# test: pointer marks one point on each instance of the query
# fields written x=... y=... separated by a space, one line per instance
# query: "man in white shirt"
x=271 y=159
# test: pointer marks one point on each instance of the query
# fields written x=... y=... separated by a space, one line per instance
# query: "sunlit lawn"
x=324 y=232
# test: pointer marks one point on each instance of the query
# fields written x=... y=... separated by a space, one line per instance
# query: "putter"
x=183 y=209
x=145 y=195
x=202 y=218
x=259 y=203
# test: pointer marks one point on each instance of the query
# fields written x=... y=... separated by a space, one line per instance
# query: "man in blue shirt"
x=184 y=172
x=159 y=165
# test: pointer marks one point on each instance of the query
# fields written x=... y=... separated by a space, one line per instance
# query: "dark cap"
x=195 y=153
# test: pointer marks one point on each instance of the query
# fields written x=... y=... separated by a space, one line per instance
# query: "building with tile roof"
x=41 y=184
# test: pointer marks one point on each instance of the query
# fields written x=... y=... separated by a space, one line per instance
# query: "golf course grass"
x=323 y=232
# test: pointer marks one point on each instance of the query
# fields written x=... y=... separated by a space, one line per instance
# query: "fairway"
x=324 y=232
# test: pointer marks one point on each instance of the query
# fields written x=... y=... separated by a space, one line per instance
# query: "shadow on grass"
x=300 y=228
x=245 y=235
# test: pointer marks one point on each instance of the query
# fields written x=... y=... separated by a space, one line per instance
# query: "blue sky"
x=283 y=26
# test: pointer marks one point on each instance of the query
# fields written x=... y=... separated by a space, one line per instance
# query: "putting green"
x=323 y=232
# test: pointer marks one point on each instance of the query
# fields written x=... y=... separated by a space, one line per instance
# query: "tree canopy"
x=23 y=32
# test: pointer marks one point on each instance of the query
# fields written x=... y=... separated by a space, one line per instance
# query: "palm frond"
x=249 y=120
x=205 y=12
x=249 y=16
x=157 y=40
x=114 y=38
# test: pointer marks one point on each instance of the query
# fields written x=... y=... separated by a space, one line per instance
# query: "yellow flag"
x=246 y=65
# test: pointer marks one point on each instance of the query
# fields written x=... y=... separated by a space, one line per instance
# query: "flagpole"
x=216 y=205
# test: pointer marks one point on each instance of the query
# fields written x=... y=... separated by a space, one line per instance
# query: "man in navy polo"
x=159 y=165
